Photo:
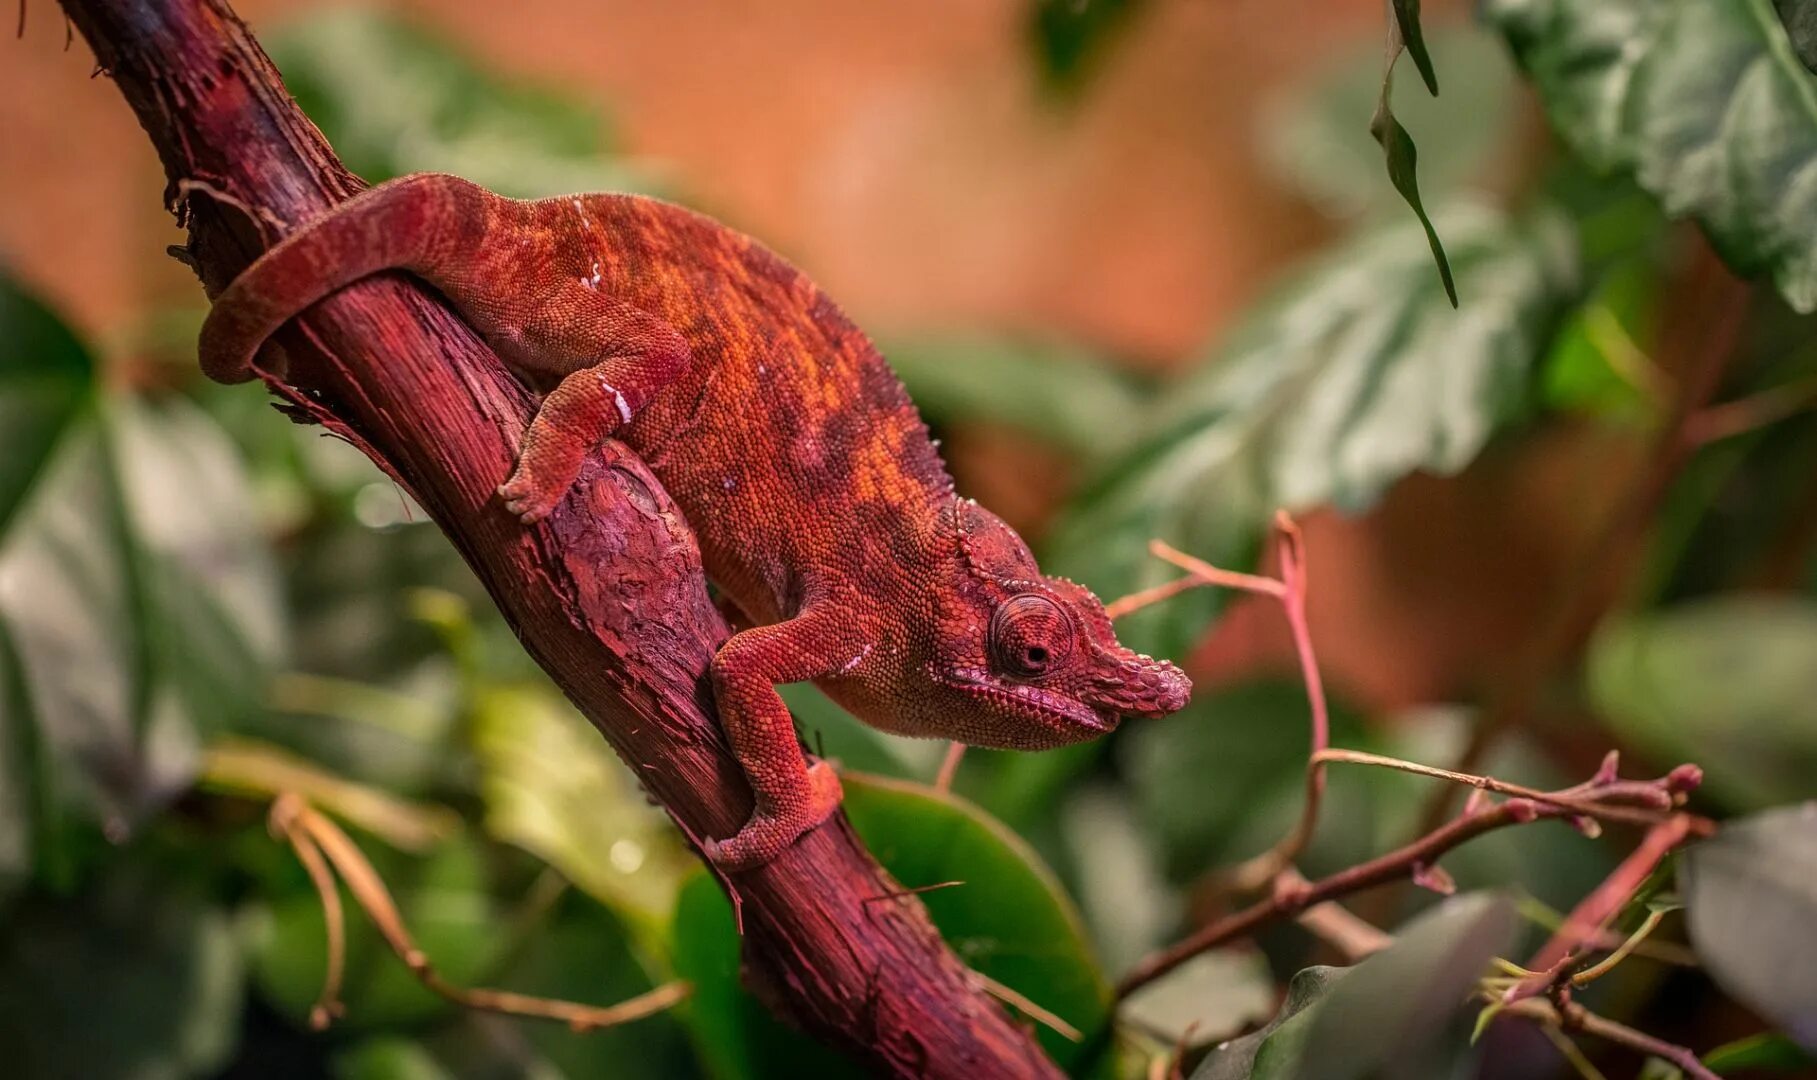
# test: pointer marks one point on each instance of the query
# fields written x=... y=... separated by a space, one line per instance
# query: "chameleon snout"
x=1142 y=686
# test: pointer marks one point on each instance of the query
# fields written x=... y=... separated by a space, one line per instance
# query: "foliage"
x=1705 y=104
x=202 y=606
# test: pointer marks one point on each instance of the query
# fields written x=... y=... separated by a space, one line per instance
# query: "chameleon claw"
x=771 y=831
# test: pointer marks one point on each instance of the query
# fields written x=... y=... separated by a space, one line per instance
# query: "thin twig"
x=1400 y=864
x=1574 y=1017
x=949 y=766
x=1622 y=951
x=309 y=830
x=1572 y=1053
x=283 y=826
x=1593 y=808
x=1032 y=1010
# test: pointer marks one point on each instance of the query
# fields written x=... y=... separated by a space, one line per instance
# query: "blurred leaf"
x=1072 y=36
x=553 y=786
x=388 y=1058
x=1728 y=683
x=1284 y=1037
x=46 y=379
x=1208 y=997
x=1390 y=1014
x=1599 y=364
x=444 y=902
x=1397 y=145
x=1311 y=138
x=581 y=952
x=1800 y=20
x=733 y=1033
x=1064 y=395
x=1113 y=866
x=1770 y=1051
x=1393 y=1015
x=394 y=98
x=137 y=977
x=137 y=614
x=1750 y=896
x=1705 y=103
x=1354 y=376
x=1200 y=776
x=1010 y=920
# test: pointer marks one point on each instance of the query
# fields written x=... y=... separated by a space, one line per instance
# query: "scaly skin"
x=823 y=511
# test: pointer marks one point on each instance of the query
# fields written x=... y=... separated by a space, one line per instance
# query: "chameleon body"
x=823 y=510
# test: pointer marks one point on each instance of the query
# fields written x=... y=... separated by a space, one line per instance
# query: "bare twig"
x=1288 y=899
x=1028 y=1008
x=1572 y=1017
x=949 y=766
x=314 y=835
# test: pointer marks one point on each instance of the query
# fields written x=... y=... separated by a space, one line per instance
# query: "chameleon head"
x=1033 y=659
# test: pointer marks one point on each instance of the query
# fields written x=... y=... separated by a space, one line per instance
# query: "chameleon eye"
x=1030 y=635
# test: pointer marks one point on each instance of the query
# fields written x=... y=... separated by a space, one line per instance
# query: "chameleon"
x=823 y=511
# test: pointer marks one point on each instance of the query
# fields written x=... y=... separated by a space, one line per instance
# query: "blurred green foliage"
x=200 y=602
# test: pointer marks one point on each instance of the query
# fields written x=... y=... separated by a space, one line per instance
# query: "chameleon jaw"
x=1058 y=710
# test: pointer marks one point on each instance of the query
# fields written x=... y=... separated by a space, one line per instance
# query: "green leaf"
x=1770 y=1051
x=1403 y=1004
x=1706 y=105
x=388 y=1057
x=1310 y=138
x=1599 y=363
x=1725 y=682
x=582 y=952
x=736 y=1037
x=1065 y=395
x=1011 y=919
x=1397 y=146
x=1283 y=1038
x=1072 y=36
x=553 y=786
x=138 y=612
x=1354 y=376
x=394 y=98
x=1407 y=21
x=1392 y=1013
x=1750 y=896
x=137 y=977
x=1800 y=20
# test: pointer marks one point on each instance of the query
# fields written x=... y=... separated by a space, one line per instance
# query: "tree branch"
x=607 y=594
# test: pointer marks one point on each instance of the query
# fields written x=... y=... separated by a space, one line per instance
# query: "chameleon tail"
x=400 y=224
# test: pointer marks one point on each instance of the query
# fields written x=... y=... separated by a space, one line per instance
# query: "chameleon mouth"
x=1046 y=703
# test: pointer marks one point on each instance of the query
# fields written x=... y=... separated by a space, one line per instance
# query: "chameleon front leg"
x=791 y=797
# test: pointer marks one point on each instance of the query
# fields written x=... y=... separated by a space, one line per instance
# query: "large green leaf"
x=394 y=98
x=1356 y=375
x=1728 y=683
x=139 y=977
x=1009 y=920
x=137 y=606
x=1750 y=895
x=1397 y=1013
x=1705 y=103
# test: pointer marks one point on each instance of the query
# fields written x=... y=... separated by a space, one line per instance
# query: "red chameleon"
x=823 y=511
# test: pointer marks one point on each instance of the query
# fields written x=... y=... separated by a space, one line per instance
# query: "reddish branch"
x=610 y=600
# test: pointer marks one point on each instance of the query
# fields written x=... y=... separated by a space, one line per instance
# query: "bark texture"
x=610 y=601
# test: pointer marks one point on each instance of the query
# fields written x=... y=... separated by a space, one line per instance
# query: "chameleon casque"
x=823 y=510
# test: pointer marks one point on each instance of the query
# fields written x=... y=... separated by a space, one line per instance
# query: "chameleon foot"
x=772 y=829
x=533 y=491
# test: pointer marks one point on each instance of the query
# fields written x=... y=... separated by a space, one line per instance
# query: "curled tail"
x=401 y=224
